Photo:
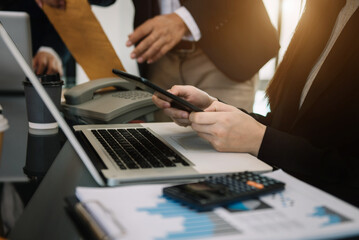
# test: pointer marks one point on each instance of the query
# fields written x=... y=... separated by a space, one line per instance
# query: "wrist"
x=181 y=25
x=257 y=139
x=194 y=33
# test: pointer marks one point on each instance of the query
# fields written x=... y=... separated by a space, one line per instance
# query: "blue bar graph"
x=196 y=224
x=332 y=216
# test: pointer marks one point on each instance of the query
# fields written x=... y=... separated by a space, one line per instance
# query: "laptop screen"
x=25 y=68
x=17 y=24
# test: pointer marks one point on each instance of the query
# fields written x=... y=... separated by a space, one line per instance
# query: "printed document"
x=299 y=212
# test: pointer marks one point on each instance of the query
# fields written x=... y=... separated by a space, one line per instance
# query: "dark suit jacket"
x=237 y=35
x=319 y=142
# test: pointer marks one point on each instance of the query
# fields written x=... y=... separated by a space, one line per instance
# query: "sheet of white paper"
x=298 y=212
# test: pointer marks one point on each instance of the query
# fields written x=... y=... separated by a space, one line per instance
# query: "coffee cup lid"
x=47 y=79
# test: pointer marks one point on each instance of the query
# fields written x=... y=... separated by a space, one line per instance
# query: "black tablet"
x=148 y=86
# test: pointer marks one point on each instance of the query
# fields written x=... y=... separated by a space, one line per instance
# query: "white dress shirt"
x=342 y=19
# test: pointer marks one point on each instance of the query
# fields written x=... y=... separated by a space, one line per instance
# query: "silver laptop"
x=17 y=24
x=162 y=151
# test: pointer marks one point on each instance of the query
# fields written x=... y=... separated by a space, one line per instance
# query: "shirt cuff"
x=187 y=18
x=51 y=51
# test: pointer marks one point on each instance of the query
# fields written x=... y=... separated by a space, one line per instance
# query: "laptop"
x=170 y=152
x=17 y=24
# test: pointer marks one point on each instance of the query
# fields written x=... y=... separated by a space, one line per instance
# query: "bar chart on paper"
x=195 y=224
x=156 y=216
x=300 y=212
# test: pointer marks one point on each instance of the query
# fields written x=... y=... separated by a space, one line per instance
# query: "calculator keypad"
x=244 y=182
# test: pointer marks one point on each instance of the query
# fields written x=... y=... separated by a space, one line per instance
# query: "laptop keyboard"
x=137 y=148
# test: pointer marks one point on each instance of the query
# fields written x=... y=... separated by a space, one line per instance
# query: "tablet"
x=148 y=86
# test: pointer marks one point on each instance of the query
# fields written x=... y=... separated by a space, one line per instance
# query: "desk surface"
x=15 y=139
x=45 y=216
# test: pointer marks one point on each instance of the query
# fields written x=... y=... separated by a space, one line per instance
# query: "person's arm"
x=47 y=61
x=155 y=37
x=297 y=154
x=228 y=129
x=61 y=4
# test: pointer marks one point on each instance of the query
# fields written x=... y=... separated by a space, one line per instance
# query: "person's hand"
x=61 y=4
x=228 y=129
x=156 y=37
x=192 y=94
x=46 y=63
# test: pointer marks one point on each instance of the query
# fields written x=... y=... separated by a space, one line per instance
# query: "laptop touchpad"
x=192 y=141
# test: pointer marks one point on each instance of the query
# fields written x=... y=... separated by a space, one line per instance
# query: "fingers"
x=45 y=63
x=175 y=113
x=152 y=47
x=54 y=67
x=182 y=122
x=204 y=118
x=139 y=33
x=160 y=102
x=220 y=107
x=156 y=37
x=143 y=33
x=171 y=112
x=149 y=48
x=39 y=3
x=39 y=64
x=183 y=91
x=178 y=116
x=61 y=4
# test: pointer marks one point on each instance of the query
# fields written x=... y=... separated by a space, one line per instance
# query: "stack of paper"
x=298 y=212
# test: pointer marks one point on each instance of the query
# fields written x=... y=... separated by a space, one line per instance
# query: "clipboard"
x=88 y=227
x=84 y=37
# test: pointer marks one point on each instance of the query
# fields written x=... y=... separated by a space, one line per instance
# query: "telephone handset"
x=86 y=104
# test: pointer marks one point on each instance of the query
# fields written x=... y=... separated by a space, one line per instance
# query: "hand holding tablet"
x=146 y=85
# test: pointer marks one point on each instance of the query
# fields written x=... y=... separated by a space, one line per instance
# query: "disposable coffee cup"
x=38 y=115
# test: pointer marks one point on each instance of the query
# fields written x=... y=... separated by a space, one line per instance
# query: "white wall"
x=117 y=21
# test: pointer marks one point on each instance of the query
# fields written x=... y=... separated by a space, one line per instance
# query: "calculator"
x=222 y=190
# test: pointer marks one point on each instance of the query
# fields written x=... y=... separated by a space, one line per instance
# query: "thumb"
x=219 y=107
x=213 y=107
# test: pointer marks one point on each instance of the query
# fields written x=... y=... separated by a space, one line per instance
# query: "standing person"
x=200 y=42
x=312 y=129
x=218 y=49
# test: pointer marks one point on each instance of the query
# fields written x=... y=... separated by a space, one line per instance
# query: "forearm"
x=298 y=155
